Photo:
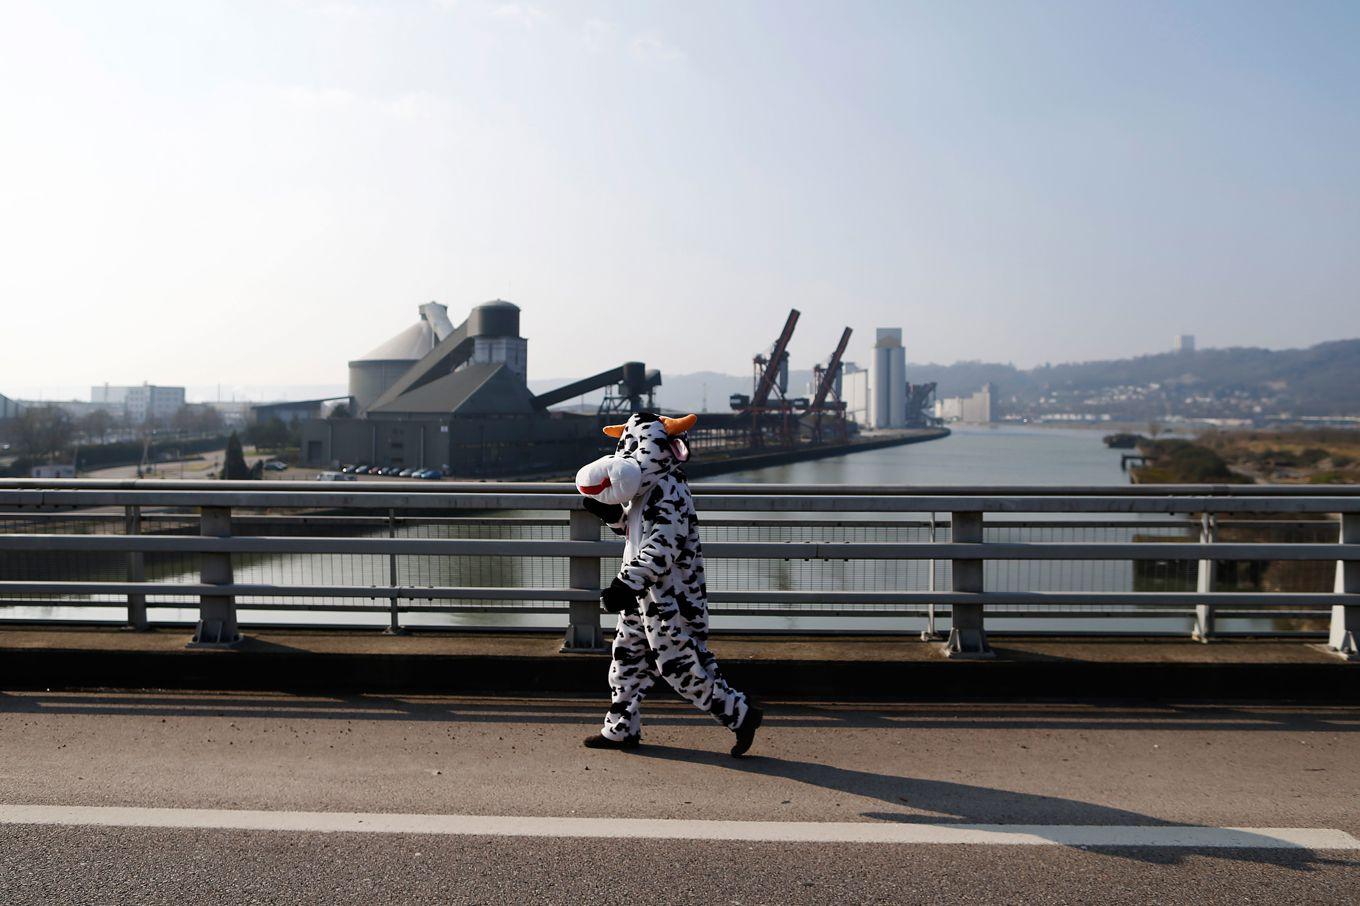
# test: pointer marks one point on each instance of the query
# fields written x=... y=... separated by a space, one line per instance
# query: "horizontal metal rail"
x=755 y=550
x=719 y=522
x=246 y=589
x=423 y=488
x=1262 y=600
x=704 y=500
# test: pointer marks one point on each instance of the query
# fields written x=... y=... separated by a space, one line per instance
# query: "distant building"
x=975 y=409
x=1185 y=342
x=290 y=412
x=888 y=379
x=463 y=405
x=371 y=375
x=855 y=393
x=9 y=408
x=73 y=408
x=147 y=402
x=234 y=412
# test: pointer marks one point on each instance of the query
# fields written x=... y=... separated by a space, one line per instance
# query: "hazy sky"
x=256 y=192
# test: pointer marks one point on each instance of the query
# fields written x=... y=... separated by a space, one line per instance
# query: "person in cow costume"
x=640 y=492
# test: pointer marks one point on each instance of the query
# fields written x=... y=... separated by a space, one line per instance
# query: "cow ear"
x=680 y=449
x=614 y=430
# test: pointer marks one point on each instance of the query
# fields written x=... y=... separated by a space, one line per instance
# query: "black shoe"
x=600 y=741
x=746 y=733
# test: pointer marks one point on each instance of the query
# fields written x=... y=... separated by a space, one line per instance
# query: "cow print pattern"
x=668 y=638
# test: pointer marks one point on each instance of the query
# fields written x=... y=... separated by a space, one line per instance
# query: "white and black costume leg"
x=632 y=671
x=684 y=661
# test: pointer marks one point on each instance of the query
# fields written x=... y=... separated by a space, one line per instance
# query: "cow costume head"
x=649 y=447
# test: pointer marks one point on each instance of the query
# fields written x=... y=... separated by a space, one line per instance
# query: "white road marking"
x=643 y=828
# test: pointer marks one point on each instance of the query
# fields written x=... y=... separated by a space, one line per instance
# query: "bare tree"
x=43 y=431
x=96 y=425
x=197 y=418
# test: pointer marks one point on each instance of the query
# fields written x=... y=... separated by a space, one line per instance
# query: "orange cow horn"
x=614 y=430
x=676 y=426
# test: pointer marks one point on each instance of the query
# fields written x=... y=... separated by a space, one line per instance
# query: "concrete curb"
x=931 y=680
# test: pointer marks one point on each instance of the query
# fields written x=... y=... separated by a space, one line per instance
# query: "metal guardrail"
x=29 y=509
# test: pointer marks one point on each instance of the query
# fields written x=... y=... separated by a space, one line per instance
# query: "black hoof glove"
x=619 y=598
x=609 y=513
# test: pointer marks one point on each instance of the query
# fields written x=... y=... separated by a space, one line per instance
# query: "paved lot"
x=930 y=766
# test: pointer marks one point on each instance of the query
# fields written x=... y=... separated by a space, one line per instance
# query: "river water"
x=1000 y=455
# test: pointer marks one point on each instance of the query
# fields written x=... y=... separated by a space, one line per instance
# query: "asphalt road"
x=932 y=766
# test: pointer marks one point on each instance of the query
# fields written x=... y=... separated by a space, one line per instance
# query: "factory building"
x=9 y=408
x=876 y=397
x=371 y=375
x=976 y=409
x=140 y=404
x=293 y=411
x=855 y=394
x=463 y=405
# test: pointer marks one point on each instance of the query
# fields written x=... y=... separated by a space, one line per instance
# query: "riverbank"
x=711 y=464
x=1304 y=456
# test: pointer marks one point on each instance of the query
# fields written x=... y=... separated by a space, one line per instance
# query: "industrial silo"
x=494 y=328
x=372 y=374
x=888 y=379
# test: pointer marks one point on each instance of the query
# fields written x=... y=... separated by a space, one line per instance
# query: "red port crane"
x=825 y=387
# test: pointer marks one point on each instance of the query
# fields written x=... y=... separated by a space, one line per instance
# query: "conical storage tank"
x=372 y=374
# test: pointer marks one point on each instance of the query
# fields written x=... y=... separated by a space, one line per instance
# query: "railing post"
x=1204 y=613
x=967 y=636
x=216 y=613
x=930 y=633
x=136 y=570
x=394 y=622
x=583 y=621
x=1344 y=637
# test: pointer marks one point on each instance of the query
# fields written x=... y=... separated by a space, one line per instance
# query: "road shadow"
x=933 y=716
x=951 y=803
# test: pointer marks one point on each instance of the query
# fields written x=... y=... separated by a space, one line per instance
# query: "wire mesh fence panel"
x=730 y=575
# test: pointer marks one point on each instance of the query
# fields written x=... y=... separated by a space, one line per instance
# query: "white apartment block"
x=146 y=402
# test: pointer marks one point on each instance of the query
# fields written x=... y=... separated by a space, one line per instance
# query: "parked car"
x=348 y=470
x=429 y=474
x=361 y=470
x=407 y=473
x=334 y=476
x=276 y=465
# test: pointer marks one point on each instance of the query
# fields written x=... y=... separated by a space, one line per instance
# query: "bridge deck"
x=1080 y=772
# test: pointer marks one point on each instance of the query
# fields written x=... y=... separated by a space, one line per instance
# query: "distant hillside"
x=1320 y=380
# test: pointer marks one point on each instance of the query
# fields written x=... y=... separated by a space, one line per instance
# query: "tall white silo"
x=888 y=377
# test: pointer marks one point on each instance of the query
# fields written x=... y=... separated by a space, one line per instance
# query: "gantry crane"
x=826 y=387
x=767 y=383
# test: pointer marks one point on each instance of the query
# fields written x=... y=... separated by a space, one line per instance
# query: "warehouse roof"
x=485 y=388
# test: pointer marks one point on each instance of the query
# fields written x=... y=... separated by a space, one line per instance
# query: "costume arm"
x=611 y=514
x=662 y=528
